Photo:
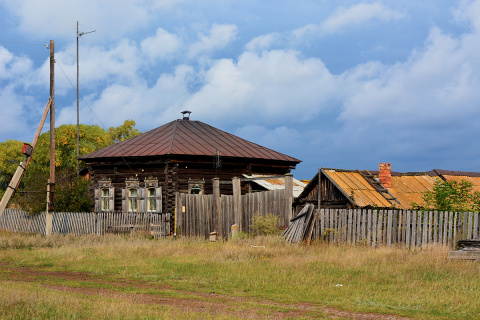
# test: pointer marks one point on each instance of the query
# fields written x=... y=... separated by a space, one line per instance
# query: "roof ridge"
x=173 y=138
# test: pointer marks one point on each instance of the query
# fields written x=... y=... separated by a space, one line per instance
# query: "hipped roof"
x=187 y=137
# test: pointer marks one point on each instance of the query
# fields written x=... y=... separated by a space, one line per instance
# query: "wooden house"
x=341 y=189
x=143 y=174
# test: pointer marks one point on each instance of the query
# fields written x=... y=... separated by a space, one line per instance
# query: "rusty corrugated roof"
x=355 y=186
x=186 y=137
x=472 y=177
x=410 y=188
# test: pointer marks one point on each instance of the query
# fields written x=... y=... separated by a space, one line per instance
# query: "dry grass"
x=416 y=283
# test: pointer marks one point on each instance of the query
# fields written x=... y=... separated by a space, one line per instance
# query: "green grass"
x=137 y=278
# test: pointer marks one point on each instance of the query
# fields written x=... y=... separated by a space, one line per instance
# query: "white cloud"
x=162 y=45
x=278 y=139
x=220 y=35
x=265 y=87
x=263 y=42
x=358 y=14
x=57 y=18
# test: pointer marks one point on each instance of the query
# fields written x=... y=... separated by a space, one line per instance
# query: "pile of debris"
x=468 y=250
x=301 y=227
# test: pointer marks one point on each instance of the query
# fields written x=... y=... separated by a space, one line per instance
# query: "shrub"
x=266 y=225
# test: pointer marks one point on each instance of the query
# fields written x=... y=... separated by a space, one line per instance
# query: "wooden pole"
x=51 y=182
x=216 y=207
x=52 y=127
x=78 y=113
x=288 y=196
x=237 y=203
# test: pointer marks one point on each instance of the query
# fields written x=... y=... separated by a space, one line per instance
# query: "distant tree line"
x=71 y=192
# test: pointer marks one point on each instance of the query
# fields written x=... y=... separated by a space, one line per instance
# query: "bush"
x=266 y=225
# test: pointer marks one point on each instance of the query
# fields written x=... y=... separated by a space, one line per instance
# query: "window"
x=105 y=200
x=104 y=196
x=132 y=200
x=151 y=200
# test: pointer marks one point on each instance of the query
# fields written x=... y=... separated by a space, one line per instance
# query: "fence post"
x=237 y=204
x=216 y=207
x=288 y=196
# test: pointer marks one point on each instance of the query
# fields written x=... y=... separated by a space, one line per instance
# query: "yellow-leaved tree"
x=71 y=193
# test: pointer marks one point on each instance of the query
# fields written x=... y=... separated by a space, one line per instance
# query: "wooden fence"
x=391 y=227
x=82 y=223
x=196 y=214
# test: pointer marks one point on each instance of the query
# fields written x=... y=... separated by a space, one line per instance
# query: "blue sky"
x=339 y=84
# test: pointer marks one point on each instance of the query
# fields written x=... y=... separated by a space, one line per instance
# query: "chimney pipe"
x=186 y=115
x=385 y=174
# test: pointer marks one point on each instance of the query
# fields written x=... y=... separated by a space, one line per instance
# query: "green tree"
x=450 y=195
x=10 y=156
x=71 y=193
x=123 y=132
x=92 y=138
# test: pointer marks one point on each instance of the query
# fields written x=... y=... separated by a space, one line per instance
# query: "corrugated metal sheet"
x=185 y=137
x=409 y=188
x=353 y=183
x=474 y=180
x=277 y=183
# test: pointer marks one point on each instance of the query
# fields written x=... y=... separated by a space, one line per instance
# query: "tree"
x=450 y=195
x=71 y=193
x=123 y=132
x=10 y=156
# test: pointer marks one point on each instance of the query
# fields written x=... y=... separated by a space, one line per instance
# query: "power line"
x=88 y=106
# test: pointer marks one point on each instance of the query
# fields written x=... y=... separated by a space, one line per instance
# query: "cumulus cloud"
x=123 y=16
x=218 y=37
x=358 y=14
x=162 y=45
x=267 y=85
x=274 y=94
x=263 y=42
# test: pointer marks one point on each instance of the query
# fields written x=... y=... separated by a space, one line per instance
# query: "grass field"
x=119 y=277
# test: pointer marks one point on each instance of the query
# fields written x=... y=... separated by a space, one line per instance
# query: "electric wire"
x=88 y=106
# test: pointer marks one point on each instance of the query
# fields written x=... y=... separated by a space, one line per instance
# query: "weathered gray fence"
x=82 y=223
x=196 y=215
x=391 y=227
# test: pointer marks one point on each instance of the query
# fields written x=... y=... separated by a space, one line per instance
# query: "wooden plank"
x=414 y=229
x=380 y=228
x=408 y=227
x=349 y=226
x=369 y=227
x=475 y=225
x=364 y=227
x=389 y=228
x=450 y=229
x=470 y=225
x=425 y=229
x=419 y=227
x=456 y=225
x=440 y=228
x=374 y=228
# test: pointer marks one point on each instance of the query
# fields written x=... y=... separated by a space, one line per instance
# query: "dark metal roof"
x=186 y=137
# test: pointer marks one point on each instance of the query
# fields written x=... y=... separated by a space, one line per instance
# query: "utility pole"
x=79 y=34
x=51 y=181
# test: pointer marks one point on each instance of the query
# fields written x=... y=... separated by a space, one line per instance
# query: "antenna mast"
x=79 y=34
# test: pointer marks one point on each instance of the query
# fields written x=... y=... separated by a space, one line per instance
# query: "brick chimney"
x=385 y=174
